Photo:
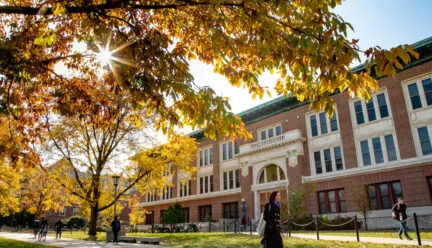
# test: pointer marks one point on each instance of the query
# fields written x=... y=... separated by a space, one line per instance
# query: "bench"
x=142 y=240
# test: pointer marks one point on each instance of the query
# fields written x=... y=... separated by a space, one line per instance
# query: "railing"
x=283 y=138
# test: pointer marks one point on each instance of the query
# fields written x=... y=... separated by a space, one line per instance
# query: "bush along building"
x=380 y=149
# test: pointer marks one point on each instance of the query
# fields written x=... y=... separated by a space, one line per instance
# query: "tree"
x=173 y=215
x=137 y=214
x=294 y=207
x=361 y=200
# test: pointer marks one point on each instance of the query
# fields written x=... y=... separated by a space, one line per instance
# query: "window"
x=206 y=157
x=185 y=212
x=414 y=96
x=376 y=108
x=420 y=93
x=382 y=105
x=149 y=217
x=383 y=150
x=62 y=212
x=332 y=158
x=228 y=150
x=271 y=173
x=359 y=112
x=167 y=193
x=331 y=201
x=206 y=184
x=324 y=123
x=384 y=195
x=270 y=132
x=231 y=179
x=425 y=142
x=314 y=126
x=151 y=197
x=429 y=179
x=185 y=188
x=230 y=210
x=371 y=110
x=75 y=211
x=205 y=213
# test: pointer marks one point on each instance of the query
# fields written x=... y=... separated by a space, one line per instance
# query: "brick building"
x=382 y=145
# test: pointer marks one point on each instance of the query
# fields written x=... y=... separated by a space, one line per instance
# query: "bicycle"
x=42 y=234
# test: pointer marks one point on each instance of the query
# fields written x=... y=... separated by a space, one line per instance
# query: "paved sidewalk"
x=376 y=240
x=51 y=241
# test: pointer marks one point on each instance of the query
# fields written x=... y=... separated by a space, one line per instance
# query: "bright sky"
x=386 y=23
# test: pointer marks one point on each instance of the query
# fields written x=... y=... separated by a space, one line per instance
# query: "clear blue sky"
x=386 y=23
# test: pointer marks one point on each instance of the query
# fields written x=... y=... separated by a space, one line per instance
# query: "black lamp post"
x=116 y=180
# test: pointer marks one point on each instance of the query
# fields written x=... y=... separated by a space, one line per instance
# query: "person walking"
x=58 y=227
x=115 y=225
x=399 y=213
x=272 y=232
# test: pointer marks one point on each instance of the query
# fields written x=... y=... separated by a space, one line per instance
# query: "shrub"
x=76 y=222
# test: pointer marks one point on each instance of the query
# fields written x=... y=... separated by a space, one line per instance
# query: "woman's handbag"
x=262 y=224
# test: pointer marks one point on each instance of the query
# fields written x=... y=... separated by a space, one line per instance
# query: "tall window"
x=206 y=156
x=425 y=142
x=384 y=195
x=332 y=158
x=230 y=210
x=429 y=179
x=420 y=93
x=149 y=218
x=185 y=188
x=185 y=212
x=383 y=150
x=167 y=193
x=228 y=150
x=62 y=212
x=75 y=211
x=376 y=107
x=231 y=179
x=206 y=184
x=151 y=196
x=332 y=201
x=205 y=213
x=269 y=132
x=271 y=173
x=325 y=125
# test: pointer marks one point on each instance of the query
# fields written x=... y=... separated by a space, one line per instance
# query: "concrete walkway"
x=376 y=240
x=51 y=241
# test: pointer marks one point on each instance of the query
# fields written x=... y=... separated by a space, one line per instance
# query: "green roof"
x=282 y=104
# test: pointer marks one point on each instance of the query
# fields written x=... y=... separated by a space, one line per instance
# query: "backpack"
x=262 y=223
x=116 y=225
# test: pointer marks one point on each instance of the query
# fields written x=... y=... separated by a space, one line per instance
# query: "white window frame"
x=228 y=178
x=166 y=192
x=329 y=131
x=364 y=108
x=264 y=171
x=227 y=145
x=416 y=137
x=199 y=156
x=333 y=159
x=273 y=126
x=63 y=213
x=372 y=153
x=151 y=196
x=208 y=186
x=418 y=81
x=181 y=184
x=75 y=211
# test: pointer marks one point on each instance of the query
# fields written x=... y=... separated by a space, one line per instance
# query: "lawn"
x=382 y=234
x=10 y=243
x=101 y=236
x=210 y=240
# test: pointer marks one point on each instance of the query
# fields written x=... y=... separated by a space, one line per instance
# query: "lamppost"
x=115 y=179
x=244 y=211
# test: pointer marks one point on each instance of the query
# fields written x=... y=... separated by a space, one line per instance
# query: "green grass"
x=382 y=234
x=10 y=243
x=80 y=235
x=210 y=240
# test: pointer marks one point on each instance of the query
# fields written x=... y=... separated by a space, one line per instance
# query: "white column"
x=257 y=204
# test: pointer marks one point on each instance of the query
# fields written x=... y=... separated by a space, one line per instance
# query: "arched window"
x=271 y=173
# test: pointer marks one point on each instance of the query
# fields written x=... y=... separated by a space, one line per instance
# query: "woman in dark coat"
x=272 y=232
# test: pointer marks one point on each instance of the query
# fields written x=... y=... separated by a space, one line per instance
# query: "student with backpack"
x=272 y=229
x=399 y=213
x=115 y=225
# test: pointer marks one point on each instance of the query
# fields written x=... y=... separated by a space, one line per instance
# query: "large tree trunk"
x=94 y=212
